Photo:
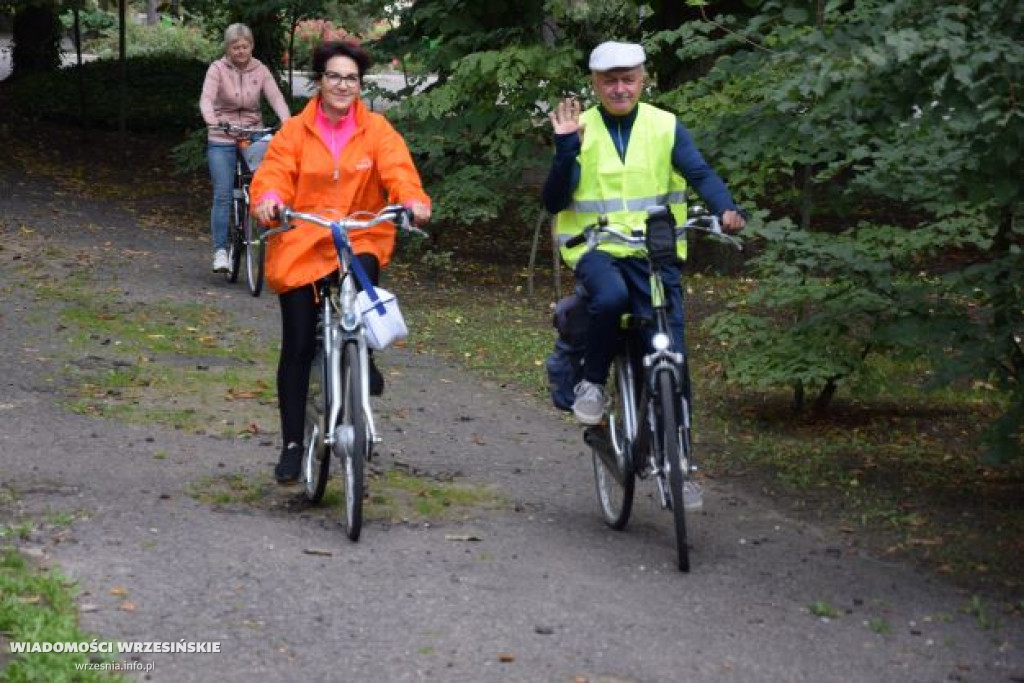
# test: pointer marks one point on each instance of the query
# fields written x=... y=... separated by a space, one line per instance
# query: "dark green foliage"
x=163 y=93
x=887 y=122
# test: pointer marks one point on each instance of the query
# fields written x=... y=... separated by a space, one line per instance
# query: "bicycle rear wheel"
x=671 y=442
x=316 y=462
x=254 y=257
x=236 y=240
x=612 y=453
x=353 y=417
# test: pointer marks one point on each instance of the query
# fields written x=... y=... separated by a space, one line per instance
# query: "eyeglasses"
x=335 y=79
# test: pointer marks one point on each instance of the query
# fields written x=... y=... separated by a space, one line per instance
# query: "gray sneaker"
x=589 y=404
x=693 y=496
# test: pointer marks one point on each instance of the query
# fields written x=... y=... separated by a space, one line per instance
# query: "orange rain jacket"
x=373 y=170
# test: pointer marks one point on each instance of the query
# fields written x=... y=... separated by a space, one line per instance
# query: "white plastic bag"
x=381 y=330
x=254 y=152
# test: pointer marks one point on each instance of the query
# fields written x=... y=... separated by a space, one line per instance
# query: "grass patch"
x=879 y=626
x=237 y=488
x=167 y=363
x=393 y=496
x=503 y=339
x=823 y=610
x=396 y=496
x=37 y=606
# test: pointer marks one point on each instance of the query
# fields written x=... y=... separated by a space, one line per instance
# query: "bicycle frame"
x=655 y=425
x=340 y=323
x=640 y=410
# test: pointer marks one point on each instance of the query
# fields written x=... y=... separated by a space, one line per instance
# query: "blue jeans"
x=222 y=172
x=616 y=286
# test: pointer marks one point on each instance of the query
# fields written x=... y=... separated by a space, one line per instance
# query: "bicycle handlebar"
x=395 y=213
x=698 y=219
x=232 y=129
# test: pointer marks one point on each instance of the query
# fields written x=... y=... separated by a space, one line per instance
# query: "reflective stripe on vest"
x=623 y=191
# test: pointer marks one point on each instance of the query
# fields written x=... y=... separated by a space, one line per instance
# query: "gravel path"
x=547 y=593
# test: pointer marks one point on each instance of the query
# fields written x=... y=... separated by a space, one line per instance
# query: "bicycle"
x=243 y=234
x=647 y=430
x=339 y=418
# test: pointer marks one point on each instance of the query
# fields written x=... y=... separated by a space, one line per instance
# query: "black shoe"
x=376 y=380
x=289 y=466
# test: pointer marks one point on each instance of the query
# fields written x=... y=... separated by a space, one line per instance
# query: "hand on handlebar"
x=268 y=210
x=420 y=212
x=733 y=222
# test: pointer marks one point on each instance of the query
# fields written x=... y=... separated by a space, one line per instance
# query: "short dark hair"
x=327 y=50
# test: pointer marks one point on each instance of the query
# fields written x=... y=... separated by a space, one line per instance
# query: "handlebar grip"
x=576 y=240
x=408 y=218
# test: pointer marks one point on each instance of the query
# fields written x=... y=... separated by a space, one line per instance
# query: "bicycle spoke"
x=316 y=460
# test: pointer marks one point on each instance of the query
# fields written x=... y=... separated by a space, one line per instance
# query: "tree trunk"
x=824 y=399
x=78 y=67
x=122 y=54
x=152 y=16
x=36 y=36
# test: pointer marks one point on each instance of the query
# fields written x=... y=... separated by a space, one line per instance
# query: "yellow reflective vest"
x=623 y=190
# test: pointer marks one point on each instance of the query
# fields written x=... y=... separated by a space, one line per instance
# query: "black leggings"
x=298 y=345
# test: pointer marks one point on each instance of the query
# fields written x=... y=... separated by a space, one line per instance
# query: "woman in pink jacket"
x=231 y=93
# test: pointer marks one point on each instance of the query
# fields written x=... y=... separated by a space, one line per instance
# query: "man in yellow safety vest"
x=618 y=159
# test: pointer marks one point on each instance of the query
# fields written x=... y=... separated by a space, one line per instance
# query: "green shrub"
x=168 y=36
x=162 y=93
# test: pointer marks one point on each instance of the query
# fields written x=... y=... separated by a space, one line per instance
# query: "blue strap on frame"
x=340 y=243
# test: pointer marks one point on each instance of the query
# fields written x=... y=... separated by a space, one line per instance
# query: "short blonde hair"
x=237 y=32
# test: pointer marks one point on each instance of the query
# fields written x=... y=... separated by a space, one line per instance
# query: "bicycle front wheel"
x=254 y=257
x=316 y=461
x=671 y=442
x=236 y=241
x=612 y=453
x=353 y=417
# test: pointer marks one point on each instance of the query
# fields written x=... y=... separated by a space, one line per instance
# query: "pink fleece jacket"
x=233 y=95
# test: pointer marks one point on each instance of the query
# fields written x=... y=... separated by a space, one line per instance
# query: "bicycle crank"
x=597 y=438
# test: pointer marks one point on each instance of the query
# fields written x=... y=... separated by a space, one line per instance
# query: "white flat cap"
x=612 y=55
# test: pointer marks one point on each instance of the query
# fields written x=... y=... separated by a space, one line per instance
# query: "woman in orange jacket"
x=336 y=157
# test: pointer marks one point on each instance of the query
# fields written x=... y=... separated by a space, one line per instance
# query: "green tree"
x=478 y=129
x=893 y=132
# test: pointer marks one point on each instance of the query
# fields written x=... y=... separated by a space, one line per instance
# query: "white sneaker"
x=589 y=404
x=693 y=496
x=220 y=261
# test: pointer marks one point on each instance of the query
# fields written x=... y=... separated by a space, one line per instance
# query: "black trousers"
x=298 y=345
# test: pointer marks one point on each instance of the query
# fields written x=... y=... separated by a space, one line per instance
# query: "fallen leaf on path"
x=127 y=606
x=462 y=537
x=235 y=395
x=506 y=657
x=119 y=591
x=925 y=541
x=318 y=551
